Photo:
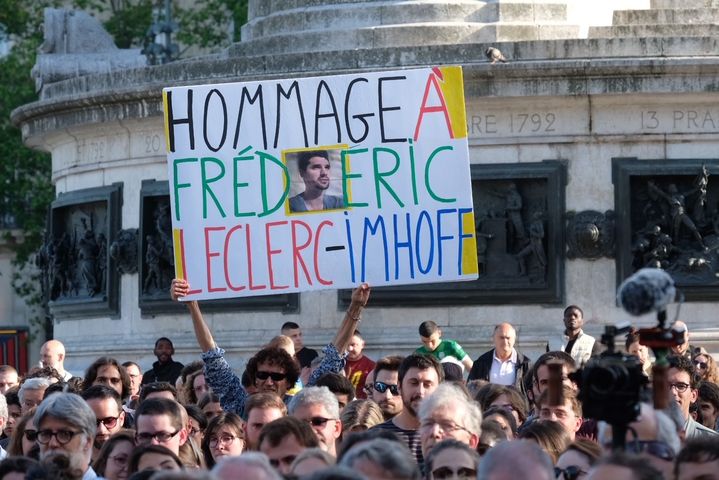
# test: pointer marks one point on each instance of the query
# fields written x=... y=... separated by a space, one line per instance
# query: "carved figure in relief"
x=677 y=210
x=535 y=247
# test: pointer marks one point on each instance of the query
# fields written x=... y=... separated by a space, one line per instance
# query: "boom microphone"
x=648 y=290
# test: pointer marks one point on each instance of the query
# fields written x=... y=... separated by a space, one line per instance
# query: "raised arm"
x=360 y=295
x=179 y=289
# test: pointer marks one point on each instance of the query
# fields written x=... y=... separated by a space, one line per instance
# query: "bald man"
x=503 y=364
x=52 y=355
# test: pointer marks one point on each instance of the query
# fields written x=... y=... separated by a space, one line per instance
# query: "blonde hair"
x=363 y=413
x=283 y=342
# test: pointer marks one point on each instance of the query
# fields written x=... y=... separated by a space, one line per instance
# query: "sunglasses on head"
x=382 y=387
x=276 y=377
x=572 y=472
x=654 y=448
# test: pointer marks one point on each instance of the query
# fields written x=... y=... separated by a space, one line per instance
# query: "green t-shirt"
x=446 y=348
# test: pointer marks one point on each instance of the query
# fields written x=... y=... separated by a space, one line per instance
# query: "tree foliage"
x=25 y=174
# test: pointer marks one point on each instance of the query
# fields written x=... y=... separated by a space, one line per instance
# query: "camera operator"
x=683 y=381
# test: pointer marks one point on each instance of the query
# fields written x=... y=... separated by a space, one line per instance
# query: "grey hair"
x=450 y=394
x=518 y=458
x=667 y=431
x=3 y=407
x=315 y=452
x=313 y=396
x=32 y=384
x=255 y=460
x=70 y=408
x=391 y=456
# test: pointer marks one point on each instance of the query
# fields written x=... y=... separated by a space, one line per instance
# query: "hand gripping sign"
x=292 y=185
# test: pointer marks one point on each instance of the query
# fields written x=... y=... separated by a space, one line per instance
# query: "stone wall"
x=583 y=102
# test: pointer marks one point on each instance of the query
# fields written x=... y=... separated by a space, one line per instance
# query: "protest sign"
x=292 y=185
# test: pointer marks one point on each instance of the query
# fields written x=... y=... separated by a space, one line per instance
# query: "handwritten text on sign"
x=326 y=182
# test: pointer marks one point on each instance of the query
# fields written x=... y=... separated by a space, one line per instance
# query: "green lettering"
x=263 y=156
x=378 y=176
x=238 y=184
x=344 y=157
x=177 y=186
x=426 y=175
x=206 y=190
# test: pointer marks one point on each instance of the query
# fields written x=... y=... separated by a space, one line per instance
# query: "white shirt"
x=503 y=372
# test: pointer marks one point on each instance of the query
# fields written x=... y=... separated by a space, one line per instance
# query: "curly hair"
x=711 y=372
x=91 y=374
x=277 y=358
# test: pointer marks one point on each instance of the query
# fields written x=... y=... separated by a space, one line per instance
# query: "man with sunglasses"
x=318 y=407
x=266 y=370
x=384 y=388
x=66 y=425
x=683 y=381
x=105 y=402
x=158 y=421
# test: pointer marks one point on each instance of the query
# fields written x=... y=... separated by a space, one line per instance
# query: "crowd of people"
x=296 y=413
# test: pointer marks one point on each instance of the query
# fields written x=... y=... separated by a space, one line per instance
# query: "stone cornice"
x=543 y=68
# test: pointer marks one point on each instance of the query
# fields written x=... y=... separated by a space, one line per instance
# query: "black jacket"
x=483 y=365
x=163 y=373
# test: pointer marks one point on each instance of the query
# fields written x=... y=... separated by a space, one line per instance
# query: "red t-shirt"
x=357 y=372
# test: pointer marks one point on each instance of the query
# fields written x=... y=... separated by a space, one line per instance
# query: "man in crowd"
x=266 y=370
x=385 y=386
x=568 y=414
x=574 y=341
x=358 y=365
x=52 y=354
x=432 y=344
x=514 y=460
x=8 y=378
x=165 y=369
x=683 y=381
x=698 y=460
x=419 y=376
x=32 y=392
x=158 y=421
x=318 y=407
x=683 y=349
x=106 y=404
x=340 y=387
x=541 y=372
x=66 y=426
x=135 y=374
x=708 y=399
x=449 y=413
x=285 y=438
x=261 y=409
x=303 y=354
x=502 y=365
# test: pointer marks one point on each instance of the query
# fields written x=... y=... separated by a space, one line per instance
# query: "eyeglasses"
x=462 y=473
x=654 y=448
x=681 y=387
x=572 y=472
x=223 y=439
x=62 y=436
x=30 y=435
x=109 y=422
x=318 y=421
x=382 y=387
x=161 y=437
x=701 y=365
x=276 y=377
x=444 y=426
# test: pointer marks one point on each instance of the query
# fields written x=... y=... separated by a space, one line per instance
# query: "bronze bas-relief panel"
x=668 y=217
x=80 y=277
x=156 y=262
x=519 y=226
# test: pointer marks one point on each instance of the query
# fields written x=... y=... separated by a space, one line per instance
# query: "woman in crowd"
x=224 y=437
x=24 y=439
x=450 y=459
x=705 y=365
x=360 y=415
x=577 y=459
x=210 y=404
x=194 y=388
x=310 y=461
x=152 y=457
x=551 y=436
x=111 y=463
x=504 y=418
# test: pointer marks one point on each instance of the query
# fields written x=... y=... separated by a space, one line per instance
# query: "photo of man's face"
x=313 y=187
x=317 y=174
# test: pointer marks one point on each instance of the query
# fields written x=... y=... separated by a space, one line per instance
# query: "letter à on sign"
x=282 y=186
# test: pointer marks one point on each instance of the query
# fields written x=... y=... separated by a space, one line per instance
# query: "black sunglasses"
x=382 y=387
x=572 y=472
x=276 y=377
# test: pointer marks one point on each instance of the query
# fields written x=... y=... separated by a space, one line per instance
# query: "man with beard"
x=385 y=386
x=105 y=402
x=314 y=167
x=358 y=365
x=574 y=341
x=66 y=426
x=164 y=369
x=271 y=369
x=419 y=376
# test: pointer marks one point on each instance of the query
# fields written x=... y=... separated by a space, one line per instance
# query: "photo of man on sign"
x=314 y=169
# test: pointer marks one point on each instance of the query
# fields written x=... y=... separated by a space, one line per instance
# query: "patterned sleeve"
x=223 y=381
x=332 y=362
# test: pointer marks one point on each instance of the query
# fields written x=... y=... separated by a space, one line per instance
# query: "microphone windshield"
x=648 y=290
